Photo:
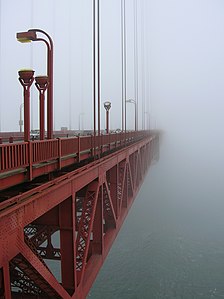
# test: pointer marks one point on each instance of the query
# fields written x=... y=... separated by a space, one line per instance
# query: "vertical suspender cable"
x=52 y=88
x=122 y=66
x=125 y=68
x=136 y=58
x=143 y=64
x=70 y=67
x=98 y=63
x=31 y=60
x=148 y=79
x=94 y=76
x=0 y=64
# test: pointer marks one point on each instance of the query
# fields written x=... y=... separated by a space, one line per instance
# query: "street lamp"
x=133 y=102
x=26 y=79
x=42 y=85
x=29 y=36
x=20 y=117
x=107 y=106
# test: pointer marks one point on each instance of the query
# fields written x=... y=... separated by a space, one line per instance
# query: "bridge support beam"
x=98 y=242
x=6 y=280
x=67 y=243
x=86 y=207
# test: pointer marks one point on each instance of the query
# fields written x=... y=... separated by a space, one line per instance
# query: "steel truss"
x=85 y=209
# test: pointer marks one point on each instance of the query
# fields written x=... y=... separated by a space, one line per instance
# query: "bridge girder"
x=86 y=207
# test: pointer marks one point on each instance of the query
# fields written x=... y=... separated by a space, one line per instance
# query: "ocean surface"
x=172 y=242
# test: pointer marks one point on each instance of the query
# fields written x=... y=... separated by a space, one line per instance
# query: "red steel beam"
x=21 y=162
x=86 y=233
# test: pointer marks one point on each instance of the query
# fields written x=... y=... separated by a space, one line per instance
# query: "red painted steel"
x=84 y=208
x=42 y=85
x=31 y=35
x=29 y=160
x=26 y=79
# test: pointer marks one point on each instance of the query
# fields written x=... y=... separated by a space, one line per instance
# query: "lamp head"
x=26 y=37
x=26 y=76
x=107 y=105
x=42 y=82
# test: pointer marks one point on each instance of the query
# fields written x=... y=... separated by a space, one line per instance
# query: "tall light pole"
x=31 y=35
x=26 y=79
x=107 y=106
x=42 y=85
x=133 y=102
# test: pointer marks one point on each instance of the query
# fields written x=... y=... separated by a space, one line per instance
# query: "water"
x=172 y=243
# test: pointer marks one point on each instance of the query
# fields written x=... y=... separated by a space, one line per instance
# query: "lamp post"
x=107 y=106
x=42 y=85
x=31 y=35
x=20 y=118
x=26 y=79
x=133 y=102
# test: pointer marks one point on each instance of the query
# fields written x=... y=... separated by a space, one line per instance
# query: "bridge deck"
x=24 y=161
x=86 y=206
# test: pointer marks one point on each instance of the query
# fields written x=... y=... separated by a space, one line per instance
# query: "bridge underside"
x=55 y=237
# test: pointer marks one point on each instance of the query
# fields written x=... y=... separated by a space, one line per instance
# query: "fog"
x=69 y=23
x=187 y=73
x=171 y=245
x=183 y=57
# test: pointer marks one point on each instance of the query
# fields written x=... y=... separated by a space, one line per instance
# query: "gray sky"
x=70 y=25
x=187 y=94
x=183 y=46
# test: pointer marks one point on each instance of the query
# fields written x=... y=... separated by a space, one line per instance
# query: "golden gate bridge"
x=78 y=187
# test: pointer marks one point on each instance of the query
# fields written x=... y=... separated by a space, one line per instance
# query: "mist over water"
x=172 y=243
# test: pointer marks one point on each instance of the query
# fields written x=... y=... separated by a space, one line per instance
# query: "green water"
x=172 y=243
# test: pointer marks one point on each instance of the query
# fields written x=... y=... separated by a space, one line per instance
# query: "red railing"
x=85 y=143
x=69 y=146
x=13 y=156
x=20 y=155
x=44 y=150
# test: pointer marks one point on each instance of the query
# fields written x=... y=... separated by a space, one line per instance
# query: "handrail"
x=13 y=156
x=27 y=154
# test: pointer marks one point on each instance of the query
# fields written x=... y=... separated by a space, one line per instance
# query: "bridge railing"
x=44 y=150
x=13 y=155
x=69 y=146
x=23 y=154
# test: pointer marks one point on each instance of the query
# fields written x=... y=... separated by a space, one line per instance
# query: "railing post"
x=11 y=139
x=30 y=167
x=101 y=144
x=109 y=142
x=59 y=153
x=92 y=151
x=79 y=146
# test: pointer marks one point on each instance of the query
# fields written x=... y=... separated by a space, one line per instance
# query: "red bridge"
x=64 y=199
x=63 y=188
